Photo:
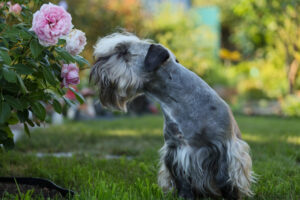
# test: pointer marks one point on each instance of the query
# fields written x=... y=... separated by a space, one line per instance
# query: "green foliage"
x=261 y=21
x=29 y=73
x=266 y=33
x=291 y=105
x=269 y=26
x=264 y=75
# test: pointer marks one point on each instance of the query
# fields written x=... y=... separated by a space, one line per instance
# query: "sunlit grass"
x=274 y=143
x=130 y=132
x=254 y=138
x=293 y=140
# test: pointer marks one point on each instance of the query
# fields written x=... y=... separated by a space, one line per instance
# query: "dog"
x=203 y=154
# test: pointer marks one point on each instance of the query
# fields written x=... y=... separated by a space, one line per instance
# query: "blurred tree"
x=191 y=43
x=269 y=24
x=228 y=19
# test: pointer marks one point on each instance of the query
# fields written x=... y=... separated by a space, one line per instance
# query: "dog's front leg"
x=182 y=184
x=174 y=140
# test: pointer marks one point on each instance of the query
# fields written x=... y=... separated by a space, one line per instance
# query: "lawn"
x=96 y=172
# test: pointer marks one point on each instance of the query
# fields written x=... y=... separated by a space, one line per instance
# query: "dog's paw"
x=186 y=195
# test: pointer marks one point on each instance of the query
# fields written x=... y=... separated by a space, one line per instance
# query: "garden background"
x=247 y=50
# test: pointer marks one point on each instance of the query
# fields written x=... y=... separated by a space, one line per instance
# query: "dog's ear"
x=155 y=57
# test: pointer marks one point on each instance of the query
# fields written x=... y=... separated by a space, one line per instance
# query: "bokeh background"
x=248 y=51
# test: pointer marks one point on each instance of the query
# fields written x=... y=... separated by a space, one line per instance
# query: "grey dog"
x=203 y=154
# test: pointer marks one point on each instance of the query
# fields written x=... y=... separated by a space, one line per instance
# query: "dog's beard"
x=116 y=71
x=117 y=81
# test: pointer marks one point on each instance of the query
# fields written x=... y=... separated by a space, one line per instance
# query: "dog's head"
x=123 y=64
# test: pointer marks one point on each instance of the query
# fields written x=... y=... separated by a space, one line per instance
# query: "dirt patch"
x=11 y=188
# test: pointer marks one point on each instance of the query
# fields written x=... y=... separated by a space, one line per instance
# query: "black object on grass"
x=37 y=182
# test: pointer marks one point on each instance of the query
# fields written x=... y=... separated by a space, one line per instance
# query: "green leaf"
x=36 y=48
x=50 y=78
x=12 y=87
x=30 y=122
x=56 y=105
x=68 y=102
x=12 y=33
x=61 y=42
x=24 y=102
x=13 y=119
x=5 y=57
x=37 y=95
x=38 y=110
x=81 y=61
x=13 y=102
x=5 y=42
x=4 y=112
x=3 y=48
x=25 y=35
x=9 y=75
x=23 y=87
x=23 y=115
x=7 y=131
x=26 y=129
x=65 y=55
x=79 y=97
x=23 y=69
x=3 y=136
x=60 y=91
x=45 y=61
x=8 y=143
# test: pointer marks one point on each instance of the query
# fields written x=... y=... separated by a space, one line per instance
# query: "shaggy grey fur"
x=203 y=154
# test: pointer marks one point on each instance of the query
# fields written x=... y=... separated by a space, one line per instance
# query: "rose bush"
x=36 y=66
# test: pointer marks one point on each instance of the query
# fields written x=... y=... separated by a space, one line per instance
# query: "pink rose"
x=75 y=42
x=50 y=23
x=70 y=74
x=1 y=4
x=15 y=8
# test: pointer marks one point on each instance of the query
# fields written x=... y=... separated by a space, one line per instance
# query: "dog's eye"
x=176 y=60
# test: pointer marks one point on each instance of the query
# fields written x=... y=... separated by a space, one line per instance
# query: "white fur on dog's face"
x=118 y=70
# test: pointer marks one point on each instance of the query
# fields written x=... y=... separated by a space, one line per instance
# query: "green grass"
x=275 y=145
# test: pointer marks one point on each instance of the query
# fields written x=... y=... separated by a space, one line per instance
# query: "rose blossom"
x=76 y=41
x=70 y=74
x=1 y=4
x=50 y=23
x=15 y=8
